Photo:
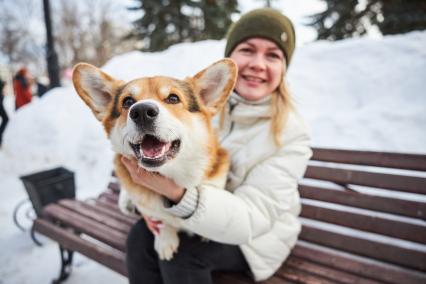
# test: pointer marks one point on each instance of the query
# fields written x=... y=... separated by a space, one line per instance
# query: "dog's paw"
x=166 y=243
x=166 y=250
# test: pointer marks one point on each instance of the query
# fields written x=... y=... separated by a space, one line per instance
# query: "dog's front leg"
x=166 y=242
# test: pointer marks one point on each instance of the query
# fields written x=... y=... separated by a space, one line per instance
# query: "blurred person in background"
x=3 y=114
x=22 y=88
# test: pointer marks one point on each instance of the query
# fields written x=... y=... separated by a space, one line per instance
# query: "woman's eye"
x=172 y=99
x=274 y=55
x=245 y=50
x=128 y=102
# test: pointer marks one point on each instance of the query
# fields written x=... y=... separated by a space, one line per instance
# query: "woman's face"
x=260 y=68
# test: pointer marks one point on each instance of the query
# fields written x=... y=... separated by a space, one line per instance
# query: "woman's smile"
x=253 y=80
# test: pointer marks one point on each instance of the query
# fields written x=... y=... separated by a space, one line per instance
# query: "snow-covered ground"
x=355 y=94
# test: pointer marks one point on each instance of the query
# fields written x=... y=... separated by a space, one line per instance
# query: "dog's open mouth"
x=152 y=152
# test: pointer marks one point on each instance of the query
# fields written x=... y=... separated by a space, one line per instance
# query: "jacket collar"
x=245 y=111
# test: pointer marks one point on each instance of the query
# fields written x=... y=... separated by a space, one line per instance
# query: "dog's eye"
x=127 y=102
x=172 y=99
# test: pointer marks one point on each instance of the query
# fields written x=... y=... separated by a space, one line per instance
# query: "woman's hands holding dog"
x=156 y=182
x=153 y=225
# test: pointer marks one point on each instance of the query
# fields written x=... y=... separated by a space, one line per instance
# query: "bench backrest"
x=368 y=204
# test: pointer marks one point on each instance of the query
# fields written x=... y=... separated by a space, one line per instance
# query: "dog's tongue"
x=153 y=148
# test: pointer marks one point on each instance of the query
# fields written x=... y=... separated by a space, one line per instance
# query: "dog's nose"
x=144 y=114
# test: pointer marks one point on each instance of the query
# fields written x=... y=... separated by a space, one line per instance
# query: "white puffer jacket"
x=261 y=213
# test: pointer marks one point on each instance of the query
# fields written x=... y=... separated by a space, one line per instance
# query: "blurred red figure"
x=22 y=88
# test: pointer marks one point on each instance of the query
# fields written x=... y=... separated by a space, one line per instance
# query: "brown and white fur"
x=165 y=124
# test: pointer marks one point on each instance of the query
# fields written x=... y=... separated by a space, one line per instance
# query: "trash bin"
x=49 y=186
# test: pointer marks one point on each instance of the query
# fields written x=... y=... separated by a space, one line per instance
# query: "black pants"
x=4 y=119
x=193 y=263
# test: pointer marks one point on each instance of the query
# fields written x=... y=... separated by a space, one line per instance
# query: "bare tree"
x=86 y=31
x=68 y=36
x=17 y=43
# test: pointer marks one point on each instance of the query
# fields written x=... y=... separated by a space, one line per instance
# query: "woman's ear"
x=94 y=87
x=215 y=84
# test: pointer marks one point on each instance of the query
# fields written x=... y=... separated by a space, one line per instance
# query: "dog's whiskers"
x=124 y=138
x=171 y=135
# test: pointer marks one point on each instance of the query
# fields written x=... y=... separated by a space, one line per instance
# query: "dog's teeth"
x=155 y=154
x=160 y=154
x=163 y=150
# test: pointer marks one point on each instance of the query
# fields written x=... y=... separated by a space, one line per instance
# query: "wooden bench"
x=363 y=222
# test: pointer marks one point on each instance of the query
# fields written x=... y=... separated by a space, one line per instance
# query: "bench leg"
x=66 y=262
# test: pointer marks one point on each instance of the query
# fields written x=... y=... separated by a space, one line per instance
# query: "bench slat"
x=357 y=199
x=128 y=219
x=357 y=265
x=387 y=181
x=370 y=158
x=108 y=205
x=238 y=278
x=80 y=208
x=88 y=226
x=326 y=272
x=298 y=276
x=109 y=196
x=407 y=257
x=113 y=206
x=374 y=224
x=112 y=259
x=102 y=202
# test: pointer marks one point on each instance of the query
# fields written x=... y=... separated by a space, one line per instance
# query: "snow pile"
x=363 y=93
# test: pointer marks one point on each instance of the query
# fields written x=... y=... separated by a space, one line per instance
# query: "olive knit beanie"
x=266 y=23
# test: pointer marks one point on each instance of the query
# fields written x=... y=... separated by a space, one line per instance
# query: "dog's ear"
x=94 y=87
x=215 y=83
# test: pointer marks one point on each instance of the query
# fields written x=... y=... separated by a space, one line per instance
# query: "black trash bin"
x=49 y=186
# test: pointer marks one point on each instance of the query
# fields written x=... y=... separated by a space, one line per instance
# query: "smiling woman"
x=253 y=224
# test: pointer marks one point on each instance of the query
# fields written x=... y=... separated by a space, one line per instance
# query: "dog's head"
x=157 y=119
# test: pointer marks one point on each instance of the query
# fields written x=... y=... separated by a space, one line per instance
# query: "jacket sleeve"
x=268 y=192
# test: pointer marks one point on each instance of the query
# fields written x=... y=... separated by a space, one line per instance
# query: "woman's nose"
x=257 y=62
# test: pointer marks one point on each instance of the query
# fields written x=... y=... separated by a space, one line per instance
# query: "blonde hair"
x=281 y=106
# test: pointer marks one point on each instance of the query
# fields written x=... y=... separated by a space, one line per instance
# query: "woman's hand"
x=153 y=225
x=153 y=181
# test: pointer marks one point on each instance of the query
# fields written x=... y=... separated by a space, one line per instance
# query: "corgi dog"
x=165 y=124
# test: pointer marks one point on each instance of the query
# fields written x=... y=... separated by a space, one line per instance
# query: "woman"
x=253 y=228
